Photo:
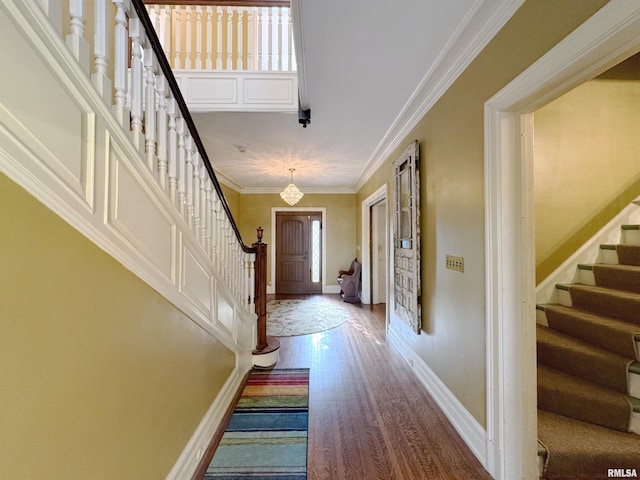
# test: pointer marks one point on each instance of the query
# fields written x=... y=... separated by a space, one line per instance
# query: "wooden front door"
x=297 y=252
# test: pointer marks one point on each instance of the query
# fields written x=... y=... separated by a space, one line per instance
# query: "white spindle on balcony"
x=188 y=64
x=177 y=38
x=208 y=64
x=198 y=64
x=240 y=39
x=229 y=52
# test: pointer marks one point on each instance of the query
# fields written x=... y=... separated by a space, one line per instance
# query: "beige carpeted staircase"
x=588 y=346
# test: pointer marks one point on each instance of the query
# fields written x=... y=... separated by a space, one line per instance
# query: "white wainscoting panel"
x=207 y=90
x=274 y=91
x=196 y=281
x=239 y=91
x=224 y=311
x=138 y=218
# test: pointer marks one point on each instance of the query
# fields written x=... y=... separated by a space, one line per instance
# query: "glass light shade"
x=291 y=194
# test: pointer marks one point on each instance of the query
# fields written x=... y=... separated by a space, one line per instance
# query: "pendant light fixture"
x=291 y=194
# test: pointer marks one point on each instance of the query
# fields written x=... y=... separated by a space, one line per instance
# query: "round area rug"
x=286 y=318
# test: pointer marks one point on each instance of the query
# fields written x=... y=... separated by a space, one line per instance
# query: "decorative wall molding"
x=239 y=91
x=483 y=20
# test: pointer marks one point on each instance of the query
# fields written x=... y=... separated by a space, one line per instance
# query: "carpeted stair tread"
x=620 y=277
x=619 y=304
x=628 y=254
x=609 y=333
x=562 y=352
x=564 y=394
x=582 y=450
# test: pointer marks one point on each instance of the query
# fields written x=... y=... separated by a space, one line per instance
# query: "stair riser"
x=631 y=237
x=609 y=257
x=634 y=385
x=602 y=303
x=625 y=279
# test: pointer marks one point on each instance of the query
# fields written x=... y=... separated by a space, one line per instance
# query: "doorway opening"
x=607 y=38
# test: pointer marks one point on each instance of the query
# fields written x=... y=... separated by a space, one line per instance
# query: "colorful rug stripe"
x=266 y=437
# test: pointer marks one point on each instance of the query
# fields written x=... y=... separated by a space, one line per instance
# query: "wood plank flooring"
x=369 y=416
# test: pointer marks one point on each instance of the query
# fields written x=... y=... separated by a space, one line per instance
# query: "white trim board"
x=379 y=195
x=483 y=20
x=465 y=424
x=604 y=40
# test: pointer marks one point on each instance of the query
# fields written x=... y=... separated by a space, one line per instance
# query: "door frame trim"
x=271 y=287
x=379 y=195
x=609 y=36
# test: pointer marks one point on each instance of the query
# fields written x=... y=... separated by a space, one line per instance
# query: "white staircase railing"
x=151 y=153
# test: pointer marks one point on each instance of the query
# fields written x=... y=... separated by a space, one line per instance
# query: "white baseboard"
x=467 y=426
x=189 y=459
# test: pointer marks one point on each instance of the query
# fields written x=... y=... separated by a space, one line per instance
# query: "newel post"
x=267 y=349
x=261 y=289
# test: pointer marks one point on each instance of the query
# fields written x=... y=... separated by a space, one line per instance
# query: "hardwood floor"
x=369 y=416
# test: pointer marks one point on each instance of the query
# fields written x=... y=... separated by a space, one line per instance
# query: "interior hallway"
x=369 y=416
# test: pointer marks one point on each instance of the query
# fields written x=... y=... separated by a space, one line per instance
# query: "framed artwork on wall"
x=406 y=238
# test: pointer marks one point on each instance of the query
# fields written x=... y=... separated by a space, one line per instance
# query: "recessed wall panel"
x=196 y=281
x=138 y=217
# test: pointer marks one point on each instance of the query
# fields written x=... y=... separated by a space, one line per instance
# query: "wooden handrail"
x=141 y=11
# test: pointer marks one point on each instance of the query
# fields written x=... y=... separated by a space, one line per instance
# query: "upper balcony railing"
x=219 y=37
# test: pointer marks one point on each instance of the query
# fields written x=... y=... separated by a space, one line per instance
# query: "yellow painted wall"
x=233 y=200
x=340 y=225
x=100 y=377
x=451 y=136
x=587 y=165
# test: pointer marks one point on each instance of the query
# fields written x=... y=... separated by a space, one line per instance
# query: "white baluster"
x=204 y=212
x=53 y=10
x=161 y=86
x=290 y=42
x=189 y=180
x=196 y=191
x=198 y=38
x=182 y=167
x=252 y=276
x=173 y=151
x=210 y=220
x=229 y=51
x=136 y=33
x=208 y=62
x=166 y=37
x=154 y=15
x=240 y=38
x=260 y=39
x=177 y=62
x=100 y=78
x=150 y=66
x=219 y=39
x=215 y=234
x=188 y=40
x=120 y=61
x=75 y=40
x=270 y=40
x=251 y=32
x=280 y=39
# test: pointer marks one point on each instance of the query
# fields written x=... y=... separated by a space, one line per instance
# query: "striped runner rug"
x=266 y=437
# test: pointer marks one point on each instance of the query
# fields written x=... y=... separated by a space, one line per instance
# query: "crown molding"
x=483 y=21
x=310 y=191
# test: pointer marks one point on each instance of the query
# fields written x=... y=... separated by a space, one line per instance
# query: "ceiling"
x=363 y=62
